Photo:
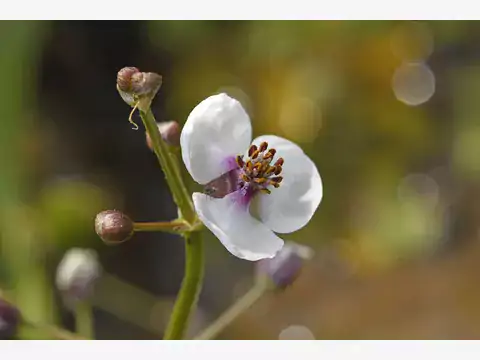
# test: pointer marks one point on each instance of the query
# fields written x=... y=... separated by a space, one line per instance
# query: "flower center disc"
x=256 y=172
x=253 y=175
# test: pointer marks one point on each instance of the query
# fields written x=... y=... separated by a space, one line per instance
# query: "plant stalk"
x=190 y=289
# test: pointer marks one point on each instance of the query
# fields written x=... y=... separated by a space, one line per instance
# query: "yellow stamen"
x=263 y=146
x=257 y=171
x=249 y=166
x=260 y=180
x=251 y=150
x=270 y=154
x=277 y=179
x=279 y=162
x=270 y=170
x=240 y=161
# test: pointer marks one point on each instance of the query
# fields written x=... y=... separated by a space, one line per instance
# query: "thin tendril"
x=135 y=126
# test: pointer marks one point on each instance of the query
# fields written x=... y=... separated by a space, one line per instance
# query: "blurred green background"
x=388 y=110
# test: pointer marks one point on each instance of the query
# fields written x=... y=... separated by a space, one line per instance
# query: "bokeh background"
x=388 y=110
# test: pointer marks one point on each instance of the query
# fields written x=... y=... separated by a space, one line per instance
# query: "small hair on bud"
x=113 y=226
x=10 y=319
x=170 y=132
x=77 y=274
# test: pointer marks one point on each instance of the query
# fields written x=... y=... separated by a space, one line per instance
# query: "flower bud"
x=138 y=88
x=113 y=226
x=77 y=274
x=285 y=267
x=10 y=318
x=145 y=83
x=170 y=131
x=124 y=78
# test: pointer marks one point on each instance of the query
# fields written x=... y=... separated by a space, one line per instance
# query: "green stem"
x=84 y=320
x=192 y=281
x=52 y=332
x=191 y=286
x=232 y=313
x=172 y=175
x=175 y=226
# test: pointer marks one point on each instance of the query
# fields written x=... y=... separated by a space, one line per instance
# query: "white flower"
x=253 y=189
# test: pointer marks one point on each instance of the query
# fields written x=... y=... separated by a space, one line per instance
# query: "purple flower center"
x=248 y=177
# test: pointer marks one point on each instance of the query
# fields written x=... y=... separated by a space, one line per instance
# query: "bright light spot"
x=412 y=41
x=300 y=119
x=418 y=186
x=296 y=332
x=413 y=83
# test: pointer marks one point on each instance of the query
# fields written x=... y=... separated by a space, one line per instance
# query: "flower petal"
x=291 y=206
x=215 y=132
x=242 y=235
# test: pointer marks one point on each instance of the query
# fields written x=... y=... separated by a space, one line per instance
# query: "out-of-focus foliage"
x=387 y=110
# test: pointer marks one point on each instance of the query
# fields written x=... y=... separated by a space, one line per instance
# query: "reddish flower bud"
x=113 y=226
x=124 y=78
x=145 y=83
x=170 y=132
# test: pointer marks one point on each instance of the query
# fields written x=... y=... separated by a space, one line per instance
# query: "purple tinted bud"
x=9 y=320
x=286 y=270
x=285 y=267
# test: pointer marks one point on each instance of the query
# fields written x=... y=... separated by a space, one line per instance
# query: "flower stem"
x=232 y=313
x=84 y=320
x=191 y=286
x=175 y=226
x=172 y=174
x=53 y=332
x=192 y=281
